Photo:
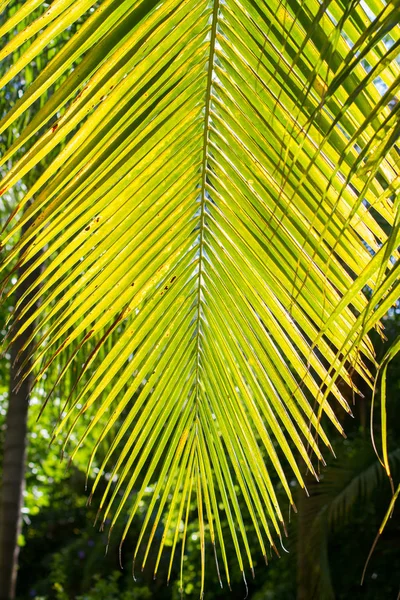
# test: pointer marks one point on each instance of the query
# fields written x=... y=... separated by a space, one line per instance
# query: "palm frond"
x=220 y=203
x=347 y=485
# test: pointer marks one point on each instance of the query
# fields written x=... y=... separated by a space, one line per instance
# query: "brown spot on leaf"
x=4 y=189
x=173 y=279
x=54 y=127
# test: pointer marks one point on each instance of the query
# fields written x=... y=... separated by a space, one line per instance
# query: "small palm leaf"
x=347 y=485
x=224 y=198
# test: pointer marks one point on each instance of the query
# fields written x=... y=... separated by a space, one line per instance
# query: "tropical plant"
x=218 y=235
x=15 y=438
x=346 y=486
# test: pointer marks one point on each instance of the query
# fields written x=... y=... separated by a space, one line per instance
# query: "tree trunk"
x=15 y=444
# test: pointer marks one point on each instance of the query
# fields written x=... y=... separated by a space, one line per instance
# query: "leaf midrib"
x=208 y=100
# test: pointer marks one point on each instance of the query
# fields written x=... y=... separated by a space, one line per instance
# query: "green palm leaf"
x=346 y=486
x=222 y=196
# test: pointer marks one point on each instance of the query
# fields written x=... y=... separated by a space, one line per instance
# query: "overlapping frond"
x=224 y=207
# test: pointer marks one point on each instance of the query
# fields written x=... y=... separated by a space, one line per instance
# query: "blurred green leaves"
x=216 y=191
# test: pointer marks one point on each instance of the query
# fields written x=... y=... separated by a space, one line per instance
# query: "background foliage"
x=58 y=525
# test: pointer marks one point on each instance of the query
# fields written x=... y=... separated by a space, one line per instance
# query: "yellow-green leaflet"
x=381 y=528
x=212 y=199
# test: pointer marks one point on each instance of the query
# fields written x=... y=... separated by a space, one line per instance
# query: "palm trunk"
x=15 y=445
